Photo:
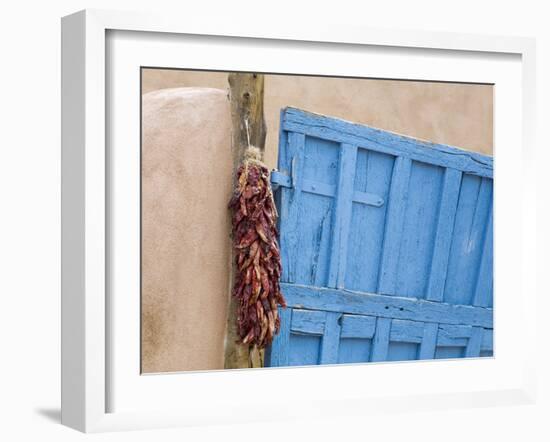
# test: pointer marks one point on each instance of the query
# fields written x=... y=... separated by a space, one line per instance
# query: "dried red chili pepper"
x=256 y=253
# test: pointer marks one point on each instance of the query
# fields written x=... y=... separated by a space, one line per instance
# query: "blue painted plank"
x=312 y=253
x=358 y=326
x=455 y=331
x=402 y=351
x=487 y=340
x=373 y=174
x=474 y=343
x=290 y=204
x=342 y=216
x=369 y=304
x=473 y=208
x=449 y=352
x=394 y=226
x=406 y=331
x=370 y=199
x=453 y=335
x=354 y=350
x=445 y=341
x=443 y=236
x=312 y=225
x=308 y=321
x=484 y=286
x=467 y=337
x=304 y=349
x=331 y=339
x=342 y=131
x=279 y=350
x=417 y=237
x=321 y=159
x=318 y=188
x=381 y=341
x=429 y=341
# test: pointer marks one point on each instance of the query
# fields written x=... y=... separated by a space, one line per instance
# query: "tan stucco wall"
x=186 y=183
x=451 y=113
x=186 y=178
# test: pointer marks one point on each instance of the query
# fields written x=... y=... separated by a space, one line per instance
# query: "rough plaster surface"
x=186 y=183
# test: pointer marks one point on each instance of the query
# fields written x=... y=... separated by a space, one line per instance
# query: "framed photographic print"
x=323 y=217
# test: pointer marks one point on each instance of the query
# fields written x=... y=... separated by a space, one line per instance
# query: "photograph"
x=303 y=220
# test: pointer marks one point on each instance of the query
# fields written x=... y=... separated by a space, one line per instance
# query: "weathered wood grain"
x=358 y=326
x=386 y=242
x=308 y=321
x=246 y=96
x=406 y=331
x=381 y=342
x=278 y=353
x=429 y=341
x=474 y=343
x=443 y=235
x=346 y=301
x=342 y=216
x=290 y=201
x=373 y=174
x=484 y=284
x=417 y=235
x=342 y=131
x=331 y=339
x=394 y=225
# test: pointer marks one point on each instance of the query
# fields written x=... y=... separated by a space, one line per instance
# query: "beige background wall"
x=450 y=113
x=186 y=183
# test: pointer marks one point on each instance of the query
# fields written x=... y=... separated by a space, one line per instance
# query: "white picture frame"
x=90 y=324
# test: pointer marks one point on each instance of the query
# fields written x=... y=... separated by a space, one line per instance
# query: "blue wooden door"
x=386 y=245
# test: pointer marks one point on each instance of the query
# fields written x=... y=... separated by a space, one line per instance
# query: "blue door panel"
x=304 y=349
x=366 y=232
x=386 y=245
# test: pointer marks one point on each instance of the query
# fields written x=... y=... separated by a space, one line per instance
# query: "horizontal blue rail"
x=347 y=301
x=341 y=131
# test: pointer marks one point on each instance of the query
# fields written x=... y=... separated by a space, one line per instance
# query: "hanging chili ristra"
x=256 y=253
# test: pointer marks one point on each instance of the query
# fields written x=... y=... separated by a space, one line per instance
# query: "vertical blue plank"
x=315 y=212
x=473 y=348
x=280 y=347
x=312 y=251
x=290 y=201
x=372 y=174
x=443 y=236
x=468 y=237
x=429 y=341
x=394 y=225
x=342 y=215
x=381 y=340
x=484 y=286
x=331 y=339
x=419 y=225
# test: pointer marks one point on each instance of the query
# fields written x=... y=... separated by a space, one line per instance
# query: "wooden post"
x=246 y=95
